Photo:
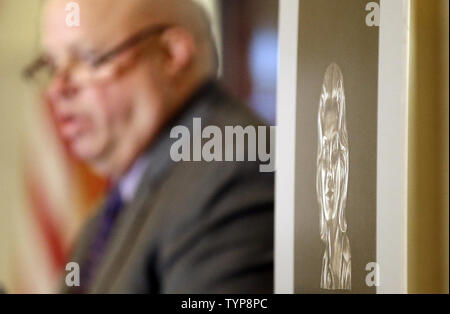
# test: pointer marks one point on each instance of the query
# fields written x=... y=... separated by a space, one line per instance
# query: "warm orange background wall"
x=428 y=184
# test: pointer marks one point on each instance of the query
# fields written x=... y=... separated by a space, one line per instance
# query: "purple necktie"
x=111 y=211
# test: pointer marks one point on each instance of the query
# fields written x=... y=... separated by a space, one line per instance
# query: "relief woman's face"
x=330 y=165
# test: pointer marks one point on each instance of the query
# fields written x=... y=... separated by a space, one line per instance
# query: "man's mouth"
x=71 y=126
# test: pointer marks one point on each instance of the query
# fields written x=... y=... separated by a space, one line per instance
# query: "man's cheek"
x=116 y=108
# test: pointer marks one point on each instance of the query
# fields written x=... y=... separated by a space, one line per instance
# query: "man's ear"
x=180 y=48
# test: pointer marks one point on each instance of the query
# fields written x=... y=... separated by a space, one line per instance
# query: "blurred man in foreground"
x=118 y=84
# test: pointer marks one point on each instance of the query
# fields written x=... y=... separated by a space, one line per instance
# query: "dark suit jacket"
x=193 y=227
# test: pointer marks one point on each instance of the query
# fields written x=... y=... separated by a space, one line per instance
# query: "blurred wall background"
x=250 y=52
x=17 y=42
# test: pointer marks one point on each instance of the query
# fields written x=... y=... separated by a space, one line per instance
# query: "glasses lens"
x=40 y=73
x=43 y=77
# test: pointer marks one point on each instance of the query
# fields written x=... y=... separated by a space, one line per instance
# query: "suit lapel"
x=122 y=239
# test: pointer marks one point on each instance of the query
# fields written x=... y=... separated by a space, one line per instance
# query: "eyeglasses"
x=43 y=70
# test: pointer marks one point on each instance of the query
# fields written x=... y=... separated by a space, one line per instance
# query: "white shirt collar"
x=129 y=183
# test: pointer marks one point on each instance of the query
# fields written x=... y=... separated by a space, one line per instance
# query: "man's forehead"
x=101 y=21
x=92 y=10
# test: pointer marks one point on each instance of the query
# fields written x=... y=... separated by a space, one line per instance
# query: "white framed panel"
x=285 y=146
x=392 y=146
x=391 y=159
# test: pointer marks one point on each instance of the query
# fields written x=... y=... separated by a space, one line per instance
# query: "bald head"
x=185 y=13
x=103 y=20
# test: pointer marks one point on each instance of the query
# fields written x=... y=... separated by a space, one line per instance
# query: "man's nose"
x=61 y=88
